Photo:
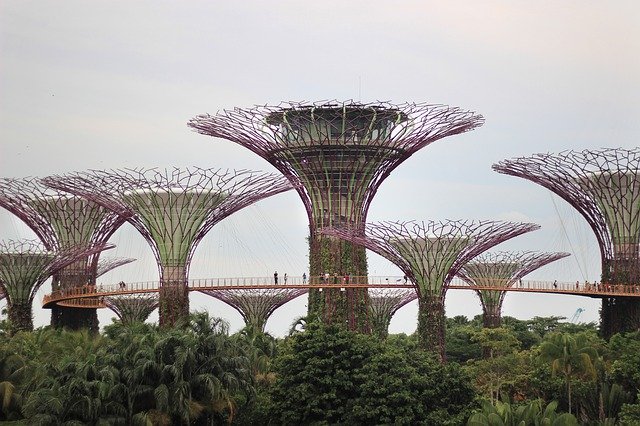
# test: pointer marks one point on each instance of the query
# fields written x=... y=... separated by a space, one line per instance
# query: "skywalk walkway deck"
x=91 y=296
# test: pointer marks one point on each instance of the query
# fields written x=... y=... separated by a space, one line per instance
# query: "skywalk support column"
x=63 y=221
x=173 y=210
x=430 y=254
x=604 y=187
x=336 y=154
x=501 y=269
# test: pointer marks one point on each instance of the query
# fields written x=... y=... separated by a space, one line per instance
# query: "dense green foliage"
x=138 y=375
x=199 y=374
x=329 y=375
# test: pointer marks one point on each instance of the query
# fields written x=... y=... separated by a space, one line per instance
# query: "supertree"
x=337 y=154
x=61 y=221
x=384 y=303
x=256 y=305
x=503 y=270
x=604 y=186
x=173 y=209
x=24 y=266
x=430 y=254
x=132 y=308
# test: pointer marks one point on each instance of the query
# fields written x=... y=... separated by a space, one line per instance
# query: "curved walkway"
x=90 y=296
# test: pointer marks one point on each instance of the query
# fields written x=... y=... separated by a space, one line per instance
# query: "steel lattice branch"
x=256 y=306
x=106 y=265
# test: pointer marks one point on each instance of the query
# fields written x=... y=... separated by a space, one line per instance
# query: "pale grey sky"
x=106 y=84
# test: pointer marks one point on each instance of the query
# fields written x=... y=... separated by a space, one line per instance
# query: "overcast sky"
x=105 y=84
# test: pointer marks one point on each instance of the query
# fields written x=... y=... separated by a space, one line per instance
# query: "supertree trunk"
x=173 y=296
x=431 y=324
x=380 y=327
x=341 y=260
x=492 y=316
x=20 y=317
x=619 y=314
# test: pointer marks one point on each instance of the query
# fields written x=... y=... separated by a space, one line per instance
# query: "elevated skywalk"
x=91 y=296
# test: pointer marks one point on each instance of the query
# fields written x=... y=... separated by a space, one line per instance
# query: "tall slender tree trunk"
x=569 y=393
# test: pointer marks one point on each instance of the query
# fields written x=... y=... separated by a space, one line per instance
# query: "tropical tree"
x=571 y=357
x=625 y=355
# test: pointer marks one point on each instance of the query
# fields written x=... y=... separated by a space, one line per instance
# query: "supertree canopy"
x=384 y=303
x=337 y=154
x=61 y=221
x=132 y=308
x=501 y=269
x=24 y=267
x=604 y=186
x=256 y=305
x=430 y=254
x=173 y=210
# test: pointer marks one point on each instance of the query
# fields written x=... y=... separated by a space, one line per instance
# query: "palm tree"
x=572 y=356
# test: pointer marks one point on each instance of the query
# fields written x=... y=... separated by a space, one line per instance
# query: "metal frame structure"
x=109 y=264
x=61 y=221
x=604 y=187
x=132 y=308
x=256 y=306
x=430 y=254
x=24 y=266
x=501 y=269
x=336 y=154
x=173 y=210
x=384 y=303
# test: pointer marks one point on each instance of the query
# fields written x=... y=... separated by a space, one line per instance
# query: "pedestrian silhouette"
x=275 y=277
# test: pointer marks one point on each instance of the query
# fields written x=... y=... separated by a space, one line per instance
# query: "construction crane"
x=576 y=315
